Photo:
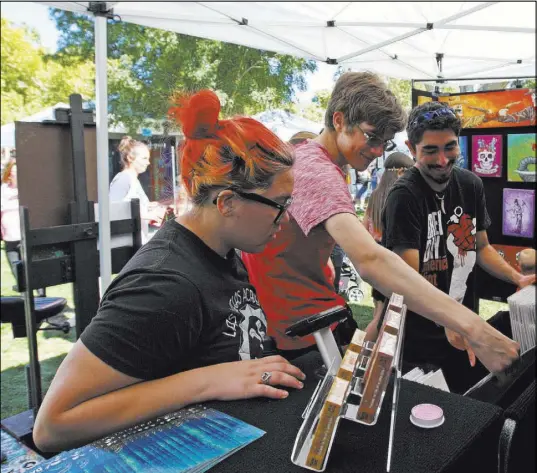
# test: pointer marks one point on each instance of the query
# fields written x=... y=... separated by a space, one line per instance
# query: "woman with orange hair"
x=181 y=323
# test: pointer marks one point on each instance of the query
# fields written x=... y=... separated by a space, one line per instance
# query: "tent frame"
x=104 y=10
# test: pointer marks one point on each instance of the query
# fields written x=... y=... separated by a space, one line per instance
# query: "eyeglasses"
x=282 y=208
x=373 y=141
x=441 y=112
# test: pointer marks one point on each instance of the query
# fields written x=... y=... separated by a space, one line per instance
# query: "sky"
x=36 y=16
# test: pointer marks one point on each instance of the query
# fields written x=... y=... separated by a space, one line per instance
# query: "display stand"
x=355 y=392
x=62 y=253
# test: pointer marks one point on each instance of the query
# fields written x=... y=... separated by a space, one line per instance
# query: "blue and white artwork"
x=462 y=160
x=191 y=439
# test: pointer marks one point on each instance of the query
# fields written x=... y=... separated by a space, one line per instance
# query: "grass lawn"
x=53 y=345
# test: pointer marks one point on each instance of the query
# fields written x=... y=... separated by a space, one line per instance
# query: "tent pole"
x=473 y=78
x=101 y=95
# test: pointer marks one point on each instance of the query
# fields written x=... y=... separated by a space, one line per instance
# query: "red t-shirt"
x=291 y=275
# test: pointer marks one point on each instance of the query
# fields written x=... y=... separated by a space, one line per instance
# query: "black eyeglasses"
x=282 y=208
x=374 y=141
x=425 y=117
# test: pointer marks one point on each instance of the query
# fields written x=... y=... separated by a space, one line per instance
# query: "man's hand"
x=460 y=343
x=526 y=280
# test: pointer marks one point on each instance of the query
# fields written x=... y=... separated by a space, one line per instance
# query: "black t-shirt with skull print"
x=442 y=227
x=175 y=306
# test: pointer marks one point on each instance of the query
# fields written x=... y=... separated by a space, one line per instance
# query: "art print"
x=462 y=160
x=521 y=158
x=509 y=253
x=494 y=109
x=487 y=155
x=518 y=212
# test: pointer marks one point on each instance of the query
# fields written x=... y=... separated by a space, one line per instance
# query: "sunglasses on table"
x=282 y=208
x=374 y=141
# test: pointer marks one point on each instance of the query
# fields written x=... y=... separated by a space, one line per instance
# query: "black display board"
x=489 y=287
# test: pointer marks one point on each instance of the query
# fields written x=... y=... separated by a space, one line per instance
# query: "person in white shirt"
x=126 y=185
x=11 y=231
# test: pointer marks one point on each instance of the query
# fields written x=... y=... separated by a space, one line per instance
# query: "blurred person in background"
x=11 y=228
x=394 y=167
x=125 y=186
x=11 y=231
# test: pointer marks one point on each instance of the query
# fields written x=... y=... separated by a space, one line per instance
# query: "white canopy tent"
x=285 y=124
x=8 y=130
x=410 y=40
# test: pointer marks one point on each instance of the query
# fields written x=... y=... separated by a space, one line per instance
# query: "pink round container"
x=427 y=416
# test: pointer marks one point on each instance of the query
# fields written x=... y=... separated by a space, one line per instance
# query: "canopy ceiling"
x=403 y=39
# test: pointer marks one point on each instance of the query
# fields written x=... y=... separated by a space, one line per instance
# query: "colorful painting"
x=462 y=160
x=518 y=212
x=521 y=157
x=424 y=99
x=499 y=108
x=487 y=155
x=510 y=254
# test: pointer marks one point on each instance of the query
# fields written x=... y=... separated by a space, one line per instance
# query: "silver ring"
x=265 y=377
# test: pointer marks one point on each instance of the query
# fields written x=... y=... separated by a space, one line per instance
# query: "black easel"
x=63 y=254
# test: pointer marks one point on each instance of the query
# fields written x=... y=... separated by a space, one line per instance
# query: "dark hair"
x=127 y=148
x=393 y=164
x=431 y=116
x=239 y=152
x=363 y=97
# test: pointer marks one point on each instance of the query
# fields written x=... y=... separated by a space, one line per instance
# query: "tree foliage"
x=147 y=65
x=31 y=80
x=315 y=110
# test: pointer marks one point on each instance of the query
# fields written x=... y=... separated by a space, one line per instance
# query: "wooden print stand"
x=365 y=372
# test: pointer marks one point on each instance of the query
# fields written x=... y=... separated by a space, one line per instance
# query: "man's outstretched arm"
x=388 y=273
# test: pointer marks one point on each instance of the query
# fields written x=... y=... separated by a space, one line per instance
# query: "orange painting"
x=500 y=108
x=510 y=253
x=424 y=99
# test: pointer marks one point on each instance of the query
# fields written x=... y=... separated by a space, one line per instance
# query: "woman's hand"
x=243 y=379
x=460 y=343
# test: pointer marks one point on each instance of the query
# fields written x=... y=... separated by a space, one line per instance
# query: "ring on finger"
x=265 y=377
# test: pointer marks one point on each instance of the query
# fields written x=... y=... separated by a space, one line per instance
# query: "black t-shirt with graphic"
x=443 y=227
x=175 y=306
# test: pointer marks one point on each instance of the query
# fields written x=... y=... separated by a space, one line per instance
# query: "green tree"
x=316 y=109
x=402 y=89
x=147 y=65
x=30 y=80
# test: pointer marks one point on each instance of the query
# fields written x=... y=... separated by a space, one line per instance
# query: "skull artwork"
x=486 y=158
x=486 y=155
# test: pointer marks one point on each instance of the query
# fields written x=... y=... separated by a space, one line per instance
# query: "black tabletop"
x=467 y=441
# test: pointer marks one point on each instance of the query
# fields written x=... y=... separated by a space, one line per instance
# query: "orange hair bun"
x=198 y=113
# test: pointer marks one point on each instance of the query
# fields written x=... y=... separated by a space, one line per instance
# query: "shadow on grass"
x=362 y=314
x=15 y=391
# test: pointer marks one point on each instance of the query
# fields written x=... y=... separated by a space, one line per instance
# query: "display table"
x=467 y=441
